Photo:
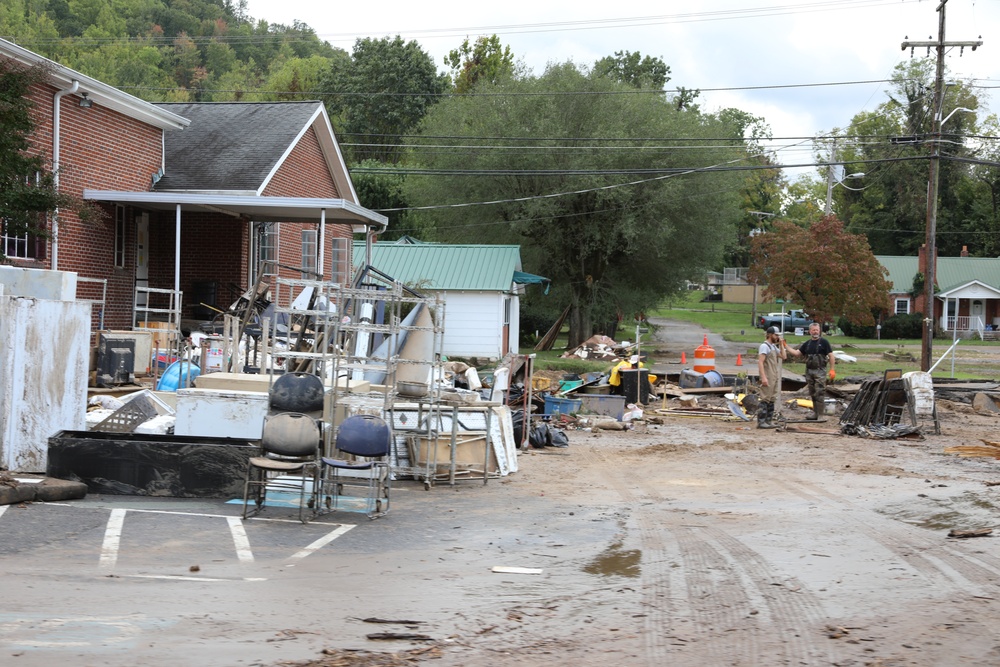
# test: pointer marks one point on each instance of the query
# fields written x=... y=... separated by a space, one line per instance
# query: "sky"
x=725 y=48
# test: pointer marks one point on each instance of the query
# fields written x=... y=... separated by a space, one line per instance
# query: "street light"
x=830 y=185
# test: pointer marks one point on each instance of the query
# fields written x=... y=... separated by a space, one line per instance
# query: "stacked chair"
x=291 y=445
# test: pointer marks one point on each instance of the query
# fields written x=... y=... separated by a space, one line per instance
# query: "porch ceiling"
x=252 y=207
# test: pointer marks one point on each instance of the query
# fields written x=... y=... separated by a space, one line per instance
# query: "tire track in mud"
x=656 y=566
x=931 y=559
x=735 y=599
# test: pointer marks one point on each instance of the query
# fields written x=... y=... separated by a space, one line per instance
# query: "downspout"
x=56 y=105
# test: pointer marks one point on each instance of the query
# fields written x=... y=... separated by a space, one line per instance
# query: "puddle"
x=967 y=511
x=616 y=561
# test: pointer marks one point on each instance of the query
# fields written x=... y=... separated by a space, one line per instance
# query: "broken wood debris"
x=880 y=407
x=988 y=448
x=409 y=636
x=980 y=532
x=373 y=619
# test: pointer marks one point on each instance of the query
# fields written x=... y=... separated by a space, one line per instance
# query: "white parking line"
x=112 y=538
x=241 y=542
x=240 y=539
x=3 y=508
x=322 y=542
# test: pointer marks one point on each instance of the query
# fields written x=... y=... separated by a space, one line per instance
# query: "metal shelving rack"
x=306 y=324
x=425 y=429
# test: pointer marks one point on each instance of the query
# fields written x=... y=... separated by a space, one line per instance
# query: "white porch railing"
x=973 y=323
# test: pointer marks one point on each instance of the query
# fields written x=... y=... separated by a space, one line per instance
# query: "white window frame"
x=17 y=246
x=340 y=258
x=310 y=240
x=905 y=302
x=24 y=246
x=266 y=239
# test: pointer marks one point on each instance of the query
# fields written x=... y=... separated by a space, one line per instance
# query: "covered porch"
x=186 y=239
x=970 y=309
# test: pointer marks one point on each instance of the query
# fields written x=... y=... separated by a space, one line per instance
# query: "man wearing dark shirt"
x=818 y=353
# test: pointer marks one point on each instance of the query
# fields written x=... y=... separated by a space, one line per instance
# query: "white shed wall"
x=44 y=358
x=473 y=324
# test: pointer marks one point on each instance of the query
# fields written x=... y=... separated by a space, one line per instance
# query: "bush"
x=897 y=326
x=903 y=326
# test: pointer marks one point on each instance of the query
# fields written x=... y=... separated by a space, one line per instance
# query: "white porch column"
x=177 y=252
x=321 y=242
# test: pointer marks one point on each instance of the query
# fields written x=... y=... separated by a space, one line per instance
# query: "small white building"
x=480 y=284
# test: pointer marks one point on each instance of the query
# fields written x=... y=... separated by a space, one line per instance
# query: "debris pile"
x=885 y=408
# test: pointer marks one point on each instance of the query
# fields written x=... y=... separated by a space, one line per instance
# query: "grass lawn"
x=975 y=358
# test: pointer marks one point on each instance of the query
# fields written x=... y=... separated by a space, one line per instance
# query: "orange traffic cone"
x=683 y=358
x=739 y=359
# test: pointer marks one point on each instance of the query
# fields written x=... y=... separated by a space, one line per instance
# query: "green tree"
x=634 y=70
x=382 y=94
x=891 y=146
x=379 y=188
x=827 y=270
x=563 y=184
x=27 y=188
x=487 y=60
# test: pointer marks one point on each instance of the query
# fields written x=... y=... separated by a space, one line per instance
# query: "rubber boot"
x=768 y=415
x=762 y=415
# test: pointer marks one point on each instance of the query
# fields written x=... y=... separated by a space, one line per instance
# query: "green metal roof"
x=952 y=272
x=442 y=266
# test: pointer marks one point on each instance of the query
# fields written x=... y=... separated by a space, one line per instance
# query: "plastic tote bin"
x=603 y=404
x=555 y=405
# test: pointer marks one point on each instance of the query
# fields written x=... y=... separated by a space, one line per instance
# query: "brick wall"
x=102 y=149
x=304 y=173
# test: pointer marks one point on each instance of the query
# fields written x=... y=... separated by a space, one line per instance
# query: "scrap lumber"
x=549 y=339
x=979 y=532
x=987 y=449
x=804 y=428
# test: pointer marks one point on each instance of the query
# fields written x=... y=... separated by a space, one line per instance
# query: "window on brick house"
x=265 y=249
x=902 y=306
x=309 y=237
x=22 y=244
x=340 y=256
x=120 y=234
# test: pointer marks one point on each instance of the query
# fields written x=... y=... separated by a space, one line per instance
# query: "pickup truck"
x=792 y=320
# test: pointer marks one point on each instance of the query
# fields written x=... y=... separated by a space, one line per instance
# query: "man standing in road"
x=818 y=353
x=771 y=351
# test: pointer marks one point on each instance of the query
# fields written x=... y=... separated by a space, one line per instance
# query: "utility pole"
x=930 y=244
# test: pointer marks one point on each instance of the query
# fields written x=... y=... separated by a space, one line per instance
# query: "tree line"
x=615 y=189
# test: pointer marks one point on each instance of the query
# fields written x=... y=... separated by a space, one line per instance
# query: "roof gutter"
x=56 y=119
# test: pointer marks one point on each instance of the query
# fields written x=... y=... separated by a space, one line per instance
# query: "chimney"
x=965 y=251
x=922 y=259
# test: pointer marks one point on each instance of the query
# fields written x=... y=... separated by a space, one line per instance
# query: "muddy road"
x=690 y=542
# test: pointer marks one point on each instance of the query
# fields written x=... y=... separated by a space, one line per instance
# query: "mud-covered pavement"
x=694 y=542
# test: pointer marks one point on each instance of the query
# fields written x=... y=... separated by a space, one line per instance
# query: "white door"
x=976 y=313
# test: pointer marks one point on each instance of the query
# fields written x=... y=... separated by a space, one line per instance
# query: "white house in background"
x=480 y=284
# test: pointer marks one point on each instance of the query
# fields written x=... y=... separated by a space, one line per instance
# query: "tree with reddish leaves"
x=823 y=268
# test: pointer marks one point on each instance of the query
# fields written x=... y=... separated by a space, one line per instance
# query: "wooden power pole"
x=930 y=245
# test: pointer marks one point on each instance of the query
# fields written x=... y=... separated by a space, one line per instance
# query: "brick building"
x=199 y=199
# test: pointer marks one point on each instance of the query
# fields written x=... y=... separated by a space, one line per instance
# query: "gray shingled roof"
x=230 y=145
